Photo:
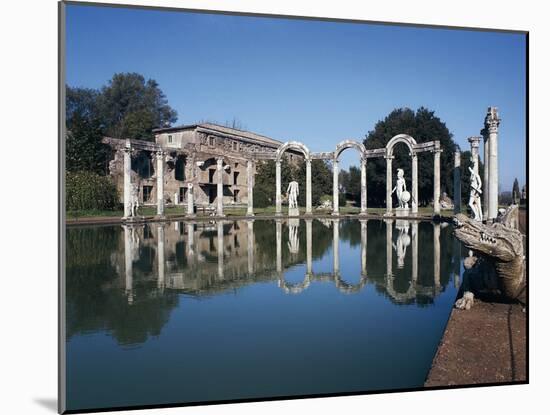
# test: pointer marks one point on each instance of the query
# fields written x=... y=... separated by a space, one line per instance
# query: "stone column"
x=363 y=248
x=389 y=248
x=219 y=171
x=414 y=232
x=160 y=256
x=220 y=250
x=388 y=185
x=250 y=184
x=363 y=186
x=278 y=209
x=308 y=187
x=279 y=243
x=492 y=121
x=190 y=200
x=335 y=190
x=335 y=246
x=456 y=183
x=437 y=258
x=437 y=182
x=250 y=246
x=160 y=183
x=474 y=150
x=414 y=180
x=128 y=264
x=486 y=167
x=127 y=179
x=309 y=242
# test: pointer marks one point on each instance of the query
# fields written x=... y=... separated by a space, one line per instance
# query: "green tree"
x=84 y=150
x=131 y=107
x=424 y=126
x=516 y=194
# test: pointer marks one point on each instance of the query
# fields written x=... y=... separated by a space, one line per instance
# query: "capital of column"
x=474 y=141
x=492 y=120
x=160 y=154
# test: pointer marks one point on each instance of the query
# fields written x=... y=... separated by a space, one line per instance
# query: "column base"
x=335 y=213
x=250 y=215
x=363 y=213
x=388 y=214
x=160 y=217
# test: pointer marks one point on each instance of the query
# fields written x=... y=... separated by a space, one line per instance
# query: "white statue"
x=475 y=191
x=292 y=193
x=403 y=196
x=134 y=201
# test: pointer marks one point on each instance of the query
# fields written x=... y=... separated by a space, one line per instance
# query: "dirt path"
x=486 y=344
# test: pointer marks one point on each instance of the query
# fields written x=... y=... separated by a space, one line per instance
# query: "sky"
x=312 y=81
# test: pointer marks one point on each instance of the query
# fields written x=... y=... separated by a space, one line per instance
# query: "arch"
x=343 y=145
x=400 y=138
x=349 y=288
x=292 y=145
x=294 y=288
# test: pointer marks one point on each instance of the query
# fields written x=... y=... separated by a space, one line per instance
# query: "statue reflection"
x=293 y=240
x=403 y=241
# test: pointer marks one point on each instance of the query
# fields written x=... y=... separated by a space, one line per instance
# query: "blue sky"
x=312 y=81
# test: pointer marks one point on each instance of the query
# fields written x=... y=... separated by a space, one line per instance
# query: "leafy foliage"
x=424 y=126
x=87 y=190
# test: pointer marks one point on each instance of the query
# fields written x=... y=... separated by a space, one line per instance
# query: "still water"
x=181 y=312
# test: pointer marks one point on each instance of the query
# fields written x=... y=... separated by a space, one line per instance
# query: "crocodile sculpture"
x=496 y=263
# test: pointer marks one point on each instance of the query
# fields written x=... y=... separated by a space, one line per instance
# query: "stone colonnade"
x=364 y=154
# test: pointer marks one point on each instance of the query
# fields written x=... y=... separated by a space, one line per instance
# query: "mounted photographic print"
x=262 y=207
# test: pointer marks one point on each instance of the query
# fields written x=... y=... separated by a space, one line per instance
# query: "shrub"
x=261 y=198
x=87 y=190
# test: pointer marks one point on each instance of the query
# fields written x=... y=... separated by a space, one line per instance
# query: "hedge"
x=87 y=190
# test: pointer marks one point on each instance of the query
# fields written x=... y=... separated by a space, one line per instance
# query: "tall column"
x=190 y=200
x=250 y=246
x=388 y=184
x=278 y=209
x=492 y=121
x=437 y=258
x=127 y=179
x=128 y=263
x=250 y=185
x=309 y=242
x=219 y=171
x=160 y=256
x=308 y=187
x=389 y=248
x=363 y=185
x=414 y=232
x=486 y=167
x=220 y=250
x=437 y=181
x=363 y=248
x=160 y=183
x=456 y=183
x=335 y=246
x=335 y=190
x=474 y=150
x=279 y=243
x=414 y=203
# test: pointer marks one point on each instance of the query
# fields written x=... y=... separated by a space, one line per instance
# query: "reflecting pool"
x=185 y=312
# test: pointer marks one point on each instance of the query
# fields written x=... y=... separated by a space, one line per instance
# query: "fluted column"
x=308 y=186
x=363 y=248
x=190 y=200
x=335 y=246
x=363 y=185
x=250 y=185
x=492 y=121
x=388 y=185
x=335 y=192
x=160 y=256
x=219 y=171
x=486 y=167
x=278 y=201
x=414 y=203
x=160 y=183
x=437 y=181
x=457 y=183
x=127 y=179
x=309 y=242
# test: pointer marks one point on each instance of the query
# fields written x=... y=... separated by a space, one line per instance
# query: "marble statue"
x=292 y=193
x=475 y=191
x=403 y=196
x=134 y=201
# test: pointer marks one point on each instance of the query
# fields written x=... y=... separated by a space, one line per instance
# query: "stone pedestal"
x=293 y=212
x=403 y=212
